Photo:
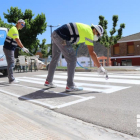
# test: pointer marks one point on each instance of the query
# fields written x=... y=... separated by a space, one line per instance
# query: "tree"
x=111 y=40
x=44 y=48
x=34 y=27
x=2 y=24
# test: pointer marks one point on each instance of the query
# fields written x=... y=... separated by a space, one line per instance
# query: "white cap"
x=21 y=20
x=99 y=28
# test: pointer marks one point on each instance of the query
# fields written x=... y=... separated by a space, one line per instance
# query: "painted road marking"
x=124 y=81
x=110 y=76
x=45 y=104
x=102 y=88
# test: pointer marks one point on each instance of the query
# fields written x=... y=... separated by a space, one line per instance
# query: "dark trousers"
x=10 y=62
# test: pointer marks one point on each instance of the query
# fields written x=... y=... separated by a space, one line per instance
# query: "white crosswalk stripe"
x=87 y=87
x=102 y=85
x=89 y=81
x=110 y=76
x=81 y=78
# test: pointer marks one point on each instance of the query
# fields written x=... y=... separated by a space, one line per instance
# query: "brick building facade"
x=127 y=51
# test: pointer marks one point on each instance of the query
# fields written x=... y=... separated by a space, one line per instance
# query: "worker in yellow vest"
x=62 y=39
x=10 y=44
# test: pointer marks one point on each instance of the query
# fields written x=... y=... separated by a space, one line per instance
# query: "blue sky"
x=84 y=11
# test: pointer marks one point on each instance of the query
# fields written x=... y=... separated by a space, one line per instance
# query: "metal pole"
x=51 y=34
x=51 y=31
x=90 y=62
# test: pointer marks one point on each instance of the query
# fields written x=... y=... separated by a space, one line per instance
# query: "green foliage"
x=110 y=40
x=34 y=26
x=2 y=24
x=44 y=48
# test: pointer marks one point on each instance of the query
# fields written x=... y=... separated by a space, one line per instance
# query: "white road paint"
x=87 y=87
x=103 y=80
x=101 y=76
x=45 y=104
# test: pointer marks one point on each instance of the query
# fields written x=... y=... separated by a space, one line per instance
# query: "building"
x=127 y=51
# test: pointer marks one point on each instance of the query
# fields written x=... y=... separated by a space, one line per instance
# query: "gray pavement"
x=24 y=120
x=112 y=104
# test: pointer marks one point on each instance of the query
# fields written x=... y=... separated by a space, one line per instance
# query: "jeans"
x=10 y=62
x=59 y=45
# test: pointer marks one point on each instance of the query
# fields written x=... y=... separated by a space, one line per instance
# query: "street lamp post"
x=51 y=34
x=51 y=31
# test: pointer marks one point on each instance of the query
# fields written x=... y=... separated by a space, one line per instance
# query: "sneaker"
x=73 y=88
x=51 y=85
x=14 y=82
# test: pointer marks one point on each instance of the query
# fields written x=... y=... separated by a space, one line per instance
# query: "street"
x=113 y=104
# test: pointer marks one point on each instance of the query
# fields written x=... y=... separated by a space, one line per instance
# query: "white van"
x=3 y=62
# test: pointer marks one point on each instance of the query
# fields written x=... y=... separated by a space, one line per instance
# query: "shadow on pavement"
x=3 y=84
x=42 y=94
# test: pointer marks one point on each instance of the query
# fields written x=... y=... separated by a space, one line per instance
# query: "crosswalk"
x=31 y=88
x=89 y=81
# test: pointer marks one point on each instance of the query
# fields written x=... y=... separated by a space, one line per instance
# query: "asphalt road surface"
x=112 y=103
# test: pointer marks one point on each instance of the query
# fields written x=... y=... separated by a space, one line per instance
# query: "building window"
x=127 y=62
x=116 y=50
x=130 y=49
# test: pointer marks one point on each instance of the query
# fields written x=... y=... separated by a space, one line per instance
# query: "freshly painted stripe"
x=48 y=105
x=74 y=102
x=138 y=120
x=81 y=84
x=64 y=82
x=138 y=124
x=101 y=76
x=34 y=101
x=45 y=90
x=124 y=81
x=103 y=88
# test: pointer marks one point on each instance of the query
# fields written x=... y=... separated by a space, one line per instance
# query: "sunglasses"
x=23 y=25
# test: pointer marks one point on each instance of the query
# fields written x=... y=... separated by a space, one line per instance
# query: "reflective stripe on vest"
x=73 y=32
x=11 y=41
x=88 y=39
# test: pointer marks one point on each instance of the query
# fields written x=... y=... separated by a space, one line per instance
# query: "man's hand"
x=101 y=71
x=25 y=50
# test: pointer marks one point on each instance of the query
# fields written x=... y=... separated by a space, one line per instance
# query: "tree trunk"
x=108 y=52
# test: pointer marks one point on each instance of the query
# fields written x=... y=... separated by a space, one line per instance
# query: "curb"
x=95 y=70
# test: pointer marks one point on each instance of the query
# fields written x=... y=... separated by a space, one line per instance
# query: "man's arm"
x=19 y=43
x=93 y=55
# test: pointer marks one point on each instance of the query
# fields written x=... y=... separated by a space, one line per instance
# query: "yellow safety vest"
x=81 y=33
x=10 y=42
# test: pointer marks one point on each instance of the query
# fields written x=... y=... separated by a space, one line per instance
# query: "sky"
x=83 y=11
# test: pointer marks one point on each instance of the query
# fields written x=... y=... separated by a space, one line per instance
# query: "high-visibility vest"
x=11 y=36
x=80 y=33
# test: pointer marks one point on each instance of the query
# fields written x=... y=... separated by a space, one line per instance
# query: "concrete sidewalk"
x=21 y=120
x=108 y=68
x=14 y=126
